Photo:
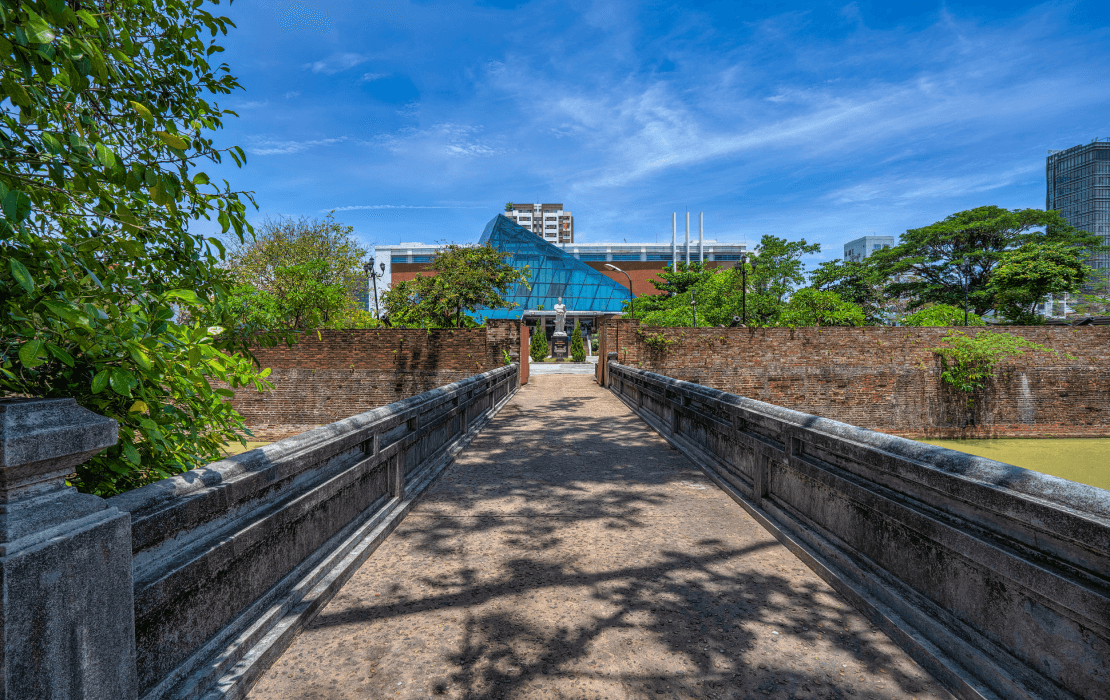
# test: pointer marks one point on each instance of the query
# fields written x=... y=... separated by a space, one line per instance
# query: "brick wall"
x=886 y=379
x=338 y=374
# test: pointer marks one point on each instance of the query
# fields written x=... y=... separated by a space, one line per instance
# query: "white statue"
x=560 y=317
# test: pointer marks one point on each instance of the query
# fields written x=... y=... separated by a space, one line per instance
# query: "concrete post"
x=67 y=615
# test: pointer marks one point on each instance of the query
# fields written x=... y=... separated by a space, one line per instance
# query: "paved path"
x=561 y=368
x=570 y=553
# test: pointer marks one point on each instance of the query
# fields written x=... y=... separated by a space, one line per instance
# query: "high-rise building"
x=1079 y=188
x=861 y=248
x=548 y=221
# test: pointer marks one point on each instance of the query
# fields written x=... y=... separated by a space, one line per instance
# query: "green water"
x=1086 y=460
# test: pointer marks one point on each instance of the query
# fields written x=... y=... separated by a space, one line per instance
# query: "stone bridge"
x=646 y=538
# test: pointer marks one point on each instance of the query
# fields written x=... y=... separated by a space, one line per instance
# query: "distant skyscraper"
x=1079 y=188
x=861 y=248
x=548 y=221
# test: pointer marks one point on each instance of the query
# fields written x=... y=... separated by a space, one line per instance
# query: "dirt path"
x=570 y=553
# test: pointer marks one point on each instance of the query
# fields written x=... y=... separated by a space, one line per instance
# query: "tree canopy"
x=467 y=278
x=935 y=263
x=106 y=109
x=300 y=274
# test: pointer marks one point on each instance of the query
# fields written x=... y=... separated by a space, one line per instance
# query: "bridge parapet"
x=190 y=587
x=995 y=578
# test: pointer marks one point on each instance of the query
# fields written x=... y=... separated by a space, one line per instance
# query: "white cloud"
x=292 y=93
x=363 y=207
x=337 y=63
x=367 y=77
x=446 y=139
x=269 y=147
x=909 y=188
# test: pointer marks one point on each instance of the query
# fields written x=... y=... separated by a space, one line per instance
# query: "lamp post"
x=694 y=308
x=631 y=305
x=368 y=268
x=745 y=259
x=631 y=299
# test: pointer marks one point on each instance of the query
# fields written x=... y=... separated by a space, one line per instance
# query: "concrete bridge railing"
x=995 y=578
x=190 y=587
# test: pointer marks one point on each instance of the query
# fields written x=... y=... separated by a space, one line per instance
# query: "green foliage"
x=933 y=264
x=107 y=295
x=299 y=274
x=968 y=362
x=658 y=342
x=812 y=307
x=508 y=206
x=577 y=348
x=467 y=277
x=779 y=270
x=1024 y=277
x=855 y=282
x=506 y=356
x=679 y=280
x=537 y=347
x=941 y=315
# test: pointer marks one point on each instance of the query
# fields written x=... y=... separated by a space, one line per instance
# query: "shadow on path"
x=571 y=553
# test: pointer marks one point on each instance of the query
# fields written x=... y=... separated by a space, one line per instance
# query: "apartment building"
x=1078 y=182
x=548 y=221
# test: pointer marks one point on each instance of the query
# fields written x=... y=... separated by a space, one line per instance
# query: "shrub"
x=538 y=347
x=577 y=349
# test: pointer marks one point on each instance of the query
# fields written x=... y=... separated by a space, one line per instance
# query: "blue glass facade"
x=553 y=273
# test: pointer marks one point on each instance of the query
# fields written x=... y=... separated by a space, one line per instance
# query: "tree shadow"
x=694 y=616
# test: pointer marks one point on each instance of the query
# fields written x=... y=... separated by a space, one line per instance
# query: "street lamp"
x=745 y=260
x=694 y=307
x=631 y=305
x=368 y=268
x=631 y=300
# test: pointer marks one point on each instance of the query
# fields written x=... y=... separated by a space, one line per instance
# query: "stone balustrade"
x=191 y=586
x=995 y=578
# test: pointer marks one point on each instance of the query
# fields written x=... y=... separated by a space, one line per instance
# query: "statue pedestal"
x=560 y=346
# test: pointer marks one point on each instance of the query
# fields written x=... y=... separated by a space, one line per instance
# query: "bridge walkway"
x=571 y=553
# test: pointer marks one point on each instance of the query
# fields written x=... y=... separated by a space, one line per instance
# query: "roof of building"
x=553 y=274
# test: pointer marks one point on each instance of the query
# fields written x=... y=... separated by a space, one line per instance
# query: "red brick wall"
x=338 y=374
x=886 y=379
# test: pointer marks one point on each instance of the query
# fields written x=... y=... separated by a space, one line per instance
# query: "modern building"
x=1078 y=182
x=861 y=248
x=548 y=221
x=641 y=261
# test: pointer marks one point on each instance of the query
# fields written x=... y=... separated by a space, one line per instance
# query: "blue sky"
x=417 y=121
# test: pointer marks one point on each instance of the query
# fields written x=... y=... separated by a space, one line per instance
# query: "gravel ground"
x=571 y=553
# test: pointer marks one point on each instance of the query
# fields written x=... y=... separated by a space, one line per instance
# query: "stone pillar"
x=67 y=617
x=524 y=358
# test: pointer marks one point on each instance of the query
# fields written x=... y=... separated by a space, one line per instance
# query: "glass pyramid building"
x=553 y=273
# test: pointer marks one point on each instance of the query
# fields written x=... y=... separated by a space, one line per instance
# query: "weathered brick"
x=887 y=379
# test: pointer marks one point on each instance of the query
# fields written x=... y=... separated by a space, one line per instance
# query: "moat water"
x=1086 y=460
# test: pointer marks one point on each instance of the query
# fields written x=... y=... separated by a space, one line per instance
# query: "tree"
x=537 y=348
x=937 y=263
x=812 y=307
x=299 y=274
x=467 y=278
x=577 y=349
x=941 y=315
x=855 y=282
x=1024 y=277
x=780 y=269
x=106 y=110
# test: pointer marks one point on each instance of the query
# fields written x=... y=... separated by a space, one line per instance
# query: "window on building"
x=592 y=257
x=421 y=258
x=626 y=256
x=727 y=256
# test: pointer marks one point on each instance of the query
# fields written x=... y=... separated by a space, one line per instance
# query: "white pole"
x=701 y=237
x=687 y=239
x=674 y=241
